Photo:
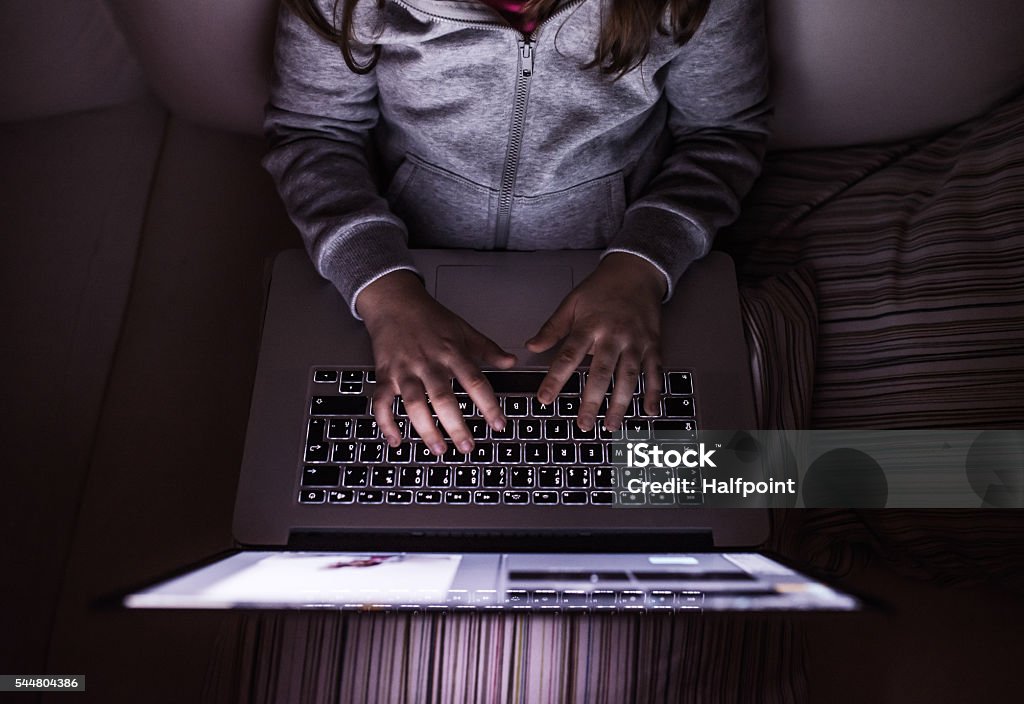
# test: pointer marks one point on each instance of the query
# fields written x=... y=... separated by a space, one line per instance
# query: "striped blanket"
x=884 y=288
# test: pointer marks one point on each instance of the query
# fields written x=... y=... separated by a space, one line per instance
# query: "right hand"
x=419 y=346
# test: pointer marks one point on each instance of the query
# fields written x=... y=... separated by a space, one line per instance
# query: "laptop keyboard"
x=541 y=458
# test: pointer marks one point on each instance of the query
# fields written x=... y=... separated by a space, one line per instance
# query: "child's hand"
x=419 y=346
x=614 y=315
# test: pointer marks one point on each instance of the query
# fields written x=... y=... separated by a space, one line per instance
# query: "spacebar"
x=514 y=382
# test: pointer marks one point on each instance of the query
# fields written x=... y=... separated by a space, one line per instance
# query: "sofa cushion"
x=71 y=210
x=845 y=71
x=63 y=56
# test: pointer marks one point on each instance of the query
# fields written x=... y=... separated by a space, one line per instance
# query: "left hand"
x=615 y=316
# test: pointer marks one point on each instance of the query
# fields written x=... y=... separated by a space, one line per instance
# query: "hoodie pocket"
x=442 y=209
x=585 y=216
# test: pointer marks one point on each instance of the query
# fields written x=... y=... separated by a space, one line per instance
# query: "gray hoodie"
x=469 y=134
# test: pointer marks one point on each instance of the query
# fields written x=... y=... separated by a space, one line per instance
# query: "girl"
x=632 y=126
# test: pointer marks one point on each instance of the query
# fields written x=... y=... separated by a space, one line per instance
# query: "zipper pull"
x=526 y=57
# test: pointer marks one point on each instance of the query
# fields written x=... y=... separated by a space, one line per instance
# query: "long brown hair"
x=624 y=42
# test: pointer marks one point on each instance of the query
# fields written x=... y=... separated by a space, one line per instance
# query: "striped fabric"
x=910 y=260
x=329 y=658
x=917 y=254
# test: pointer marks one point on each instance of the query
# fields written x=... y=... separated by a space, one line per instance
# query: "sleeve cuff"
x=669 y=241
x=362 y=256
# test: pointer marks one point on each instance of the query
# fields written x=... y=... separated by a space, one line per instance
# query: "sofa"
x=881 y=257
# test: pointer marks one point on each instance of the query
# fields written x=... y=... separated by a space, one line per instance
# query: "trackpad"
x=506 y=303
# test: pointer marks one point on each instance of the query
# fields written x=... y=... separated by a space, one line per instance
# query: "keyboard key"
x=591 y=453
x=516 y=497
x=674 y=430
x=351 y=387
x=370 y=496
x=428 y=497
x=344 y=452
x=681 y=407
x=563 y=453
x=574 y=498
x=545 y=498
x=529 y=429
x=495 y=477
x=523 y=477
x=315 y=431
x=507 y=433
x=604 y=477
x=602 y=498
x=338 y=406
x=661 y=499
x=439 y=476
x=680 y=383
x=606 y=434
x=486 y=497
x=318 y=452
x=577 y=477
x=556 y=429
x=628 y=474
x=354 y=476
x=578 y=434
x=456 y=497
x=325 y=376
x=630 y=498
x=340 y=429
x=516 y=406
x=477 y=428
x=383 y=477
x=637 y=429
x=371 y=377
x=320 y=476
x=541 y=410
x=399 y=455
x=422 y=454
x=467 y=476
x=341 y=496
x=312 y=496
x=522 y=382
x=465 y=404
x=568 y=406
x=410 y=477
x=509 y=453
x=617 y=453
x=549 y=477
x=372 y=452
x=366 y=429
x=453 y=456
x=535 y=453
x=399 y=497
x=483 y=453
x=351 y=375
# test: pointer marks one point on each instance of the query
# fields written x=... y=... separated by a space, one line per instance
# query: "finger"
x=489 y=353
x=567 y=361
x=414 y=396
x=627 y=377
x=654 y=381
x=383 y=412
x=556 y=327
x=602 y=366
x=447 y=408
x=481 y=391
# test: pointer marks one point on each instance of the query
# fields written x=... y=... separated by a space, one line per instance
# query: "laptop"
x=539 y=517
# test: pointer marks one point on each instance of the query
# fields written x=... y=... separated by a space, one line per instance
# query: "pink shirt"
x=512 y=10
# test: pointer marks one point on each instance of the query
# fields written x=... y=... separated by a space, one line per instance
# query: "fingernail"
x=499 y=424
x=439 y=448
x=465 y=447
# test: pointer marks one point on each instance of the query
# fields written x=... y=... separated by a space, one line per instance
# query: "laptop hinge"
x=618 y=541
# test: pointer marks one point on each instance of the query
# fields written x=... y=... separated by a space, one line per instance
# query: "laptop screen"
x=726 y=581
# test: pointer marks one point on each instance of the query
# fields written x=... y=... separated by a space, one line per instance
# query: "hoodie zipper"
x=524 y=74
